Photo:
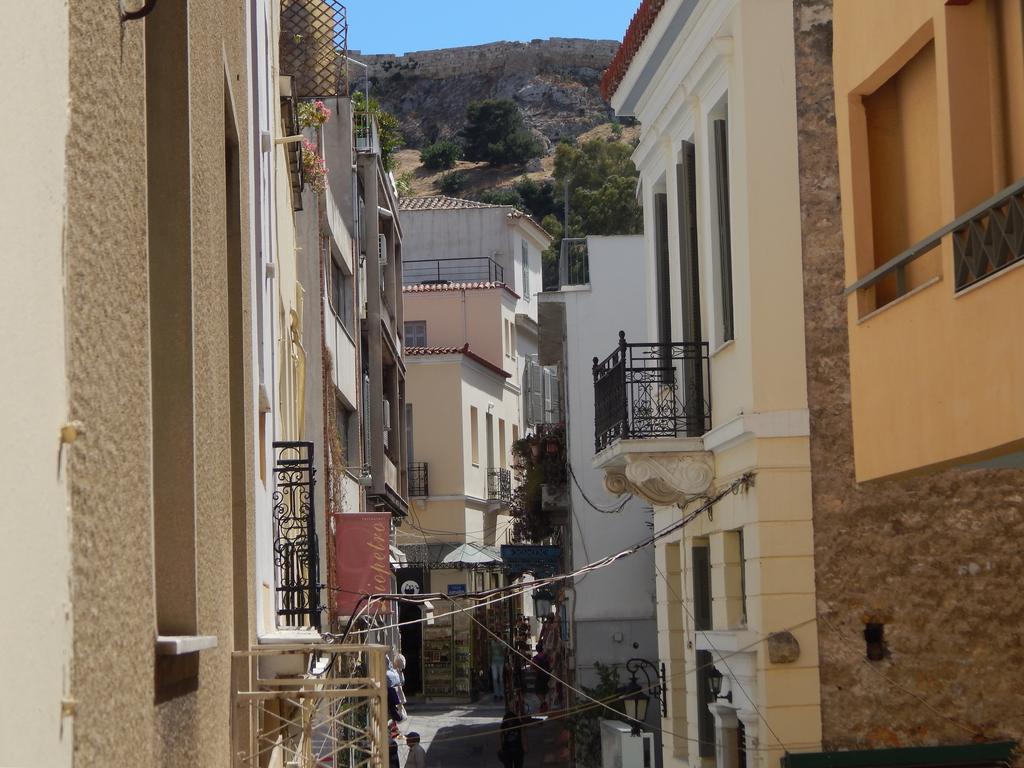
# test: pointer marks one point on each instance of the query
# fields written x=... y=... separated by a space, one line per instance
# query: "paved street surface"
x=466 y=735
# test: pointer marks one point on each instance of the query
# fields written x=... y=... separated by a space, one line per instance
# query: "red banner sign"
x=362 y=562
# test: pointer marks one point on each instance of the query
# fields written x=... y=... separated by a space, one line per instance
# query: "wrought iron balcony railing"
x=652 y=390
x=296 y=550
x=479 y=269
x=499 y=485
x=419 y=479
x=986 y=239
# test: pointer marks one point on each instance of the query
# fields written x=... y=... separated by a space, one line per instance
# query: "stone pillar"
x=751 y=721
x=726 y=724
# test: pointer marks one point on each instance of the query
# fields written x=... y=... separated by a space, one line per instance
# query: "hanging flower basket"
x=314 y=169
x=313 y=114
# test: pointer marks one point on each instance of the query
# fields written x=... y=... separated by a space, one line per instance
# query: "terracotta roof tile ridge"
x=636 y=33
x=463 y=350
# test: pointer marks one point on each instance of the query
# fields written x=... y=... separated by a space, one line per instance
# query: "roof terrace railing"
x=479 y=269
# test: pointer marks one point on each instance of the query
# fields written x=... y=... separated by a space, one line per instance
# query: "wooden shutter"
x=701 y=588
x=724 y=238
x=664 y=286
x=692 y=389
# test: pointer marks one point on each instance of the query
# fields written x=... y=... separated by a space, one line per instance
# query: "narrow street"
x=467 y=735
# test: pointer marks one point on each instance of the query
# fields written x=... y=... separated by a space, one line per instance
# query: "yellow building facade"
x=930 y=127
x=714 y=400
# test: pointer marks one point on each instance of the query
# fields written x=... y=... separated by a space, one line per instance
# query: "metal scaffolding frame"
x=313 y=705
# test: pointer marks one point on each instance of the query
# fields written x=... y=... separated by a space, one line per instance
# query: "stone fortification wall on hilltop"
x=554 y=82
x=523 y=58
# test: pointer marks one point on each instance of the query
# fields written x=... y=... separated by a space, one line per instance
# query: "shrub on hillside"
x=452 y=183
x=441 y=155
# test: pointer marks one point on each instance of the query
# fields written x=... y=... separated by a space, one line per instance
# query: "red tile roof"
x=433 y=287
x=636 y=33
x=463 y=350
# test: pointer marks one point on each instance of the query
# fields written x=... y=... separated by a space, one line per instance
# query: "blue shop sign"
x=537 y=559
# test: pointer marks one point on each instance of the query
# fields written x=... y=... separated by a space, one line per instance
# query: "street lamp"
x=635 y=703
x=715 y=684
x=543 y=599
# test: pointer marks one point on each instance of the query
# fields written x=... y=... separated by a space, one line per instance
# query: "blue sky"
x=399 y=26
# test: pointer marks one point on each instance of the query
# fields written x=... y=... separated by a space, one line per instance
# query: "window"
x=502 y=450
x=689 y=288
x=663 y=287
x=701 y=561
x=507 y=340
x=724 y=266
x=526 y=270
x=474 y=436
x=416 y=333
x=348 y=433
x=341 y=292
x=902 y=123
x=171 y=324
x=735 y=579
x=512 y=340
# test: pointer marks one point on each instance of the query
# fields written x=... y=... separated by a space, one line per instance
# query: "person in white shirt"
x=417 y=755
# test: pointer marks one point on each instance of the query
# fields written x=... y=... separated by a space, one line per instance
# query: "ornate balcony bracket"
x=662 y=479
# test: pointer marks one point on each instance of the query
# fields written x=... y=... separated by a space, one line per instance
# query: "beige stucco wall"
x=441 y=390
x=911 y=408
x=35 y=556
x=109 y=389
x=476 y=316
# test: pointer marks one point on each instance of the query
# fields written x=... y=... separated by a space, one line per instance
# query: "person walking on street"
x=417 y=755
x=497 y=669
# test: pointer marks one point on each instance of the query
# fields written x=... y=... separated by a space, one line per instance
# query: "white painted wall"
x=614 y=607
x=35 y=633
x=496 y=232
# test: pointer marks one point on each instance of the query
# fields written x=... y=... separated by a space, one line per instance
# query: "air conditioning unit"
x=621 y=749
x=382 y=249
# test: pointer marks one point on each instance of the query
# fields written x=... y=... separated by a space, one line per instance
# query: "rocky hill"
x=554 y=82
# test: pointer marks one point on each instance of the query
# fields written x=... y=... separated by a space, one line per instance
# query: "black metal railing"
x=573 y=262
x=365 y=135
x=296 y=549
x=652 y=390
x=478 y=269
x=499 y=485
x=986 y=239
x=419 y=479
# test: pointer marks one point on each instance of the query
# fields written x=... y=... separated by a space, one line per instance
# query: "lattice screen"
x=314 y=44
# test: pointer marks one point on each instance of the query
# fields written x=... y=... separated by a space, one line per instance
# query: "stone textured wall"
x=108 y=357
x=937 y=559
x=555 y=83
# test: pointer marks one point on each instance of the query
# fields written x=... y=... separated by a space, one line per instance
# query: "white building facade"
x=613 y=610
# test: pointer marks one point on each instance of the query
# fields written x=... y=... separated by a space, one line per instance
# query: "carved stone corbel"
x=662 y=479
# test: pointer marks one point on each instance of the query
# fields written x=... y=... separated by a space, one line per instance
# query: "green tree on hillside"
x=495 y=133
x=602 y=195
x=602 y=188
